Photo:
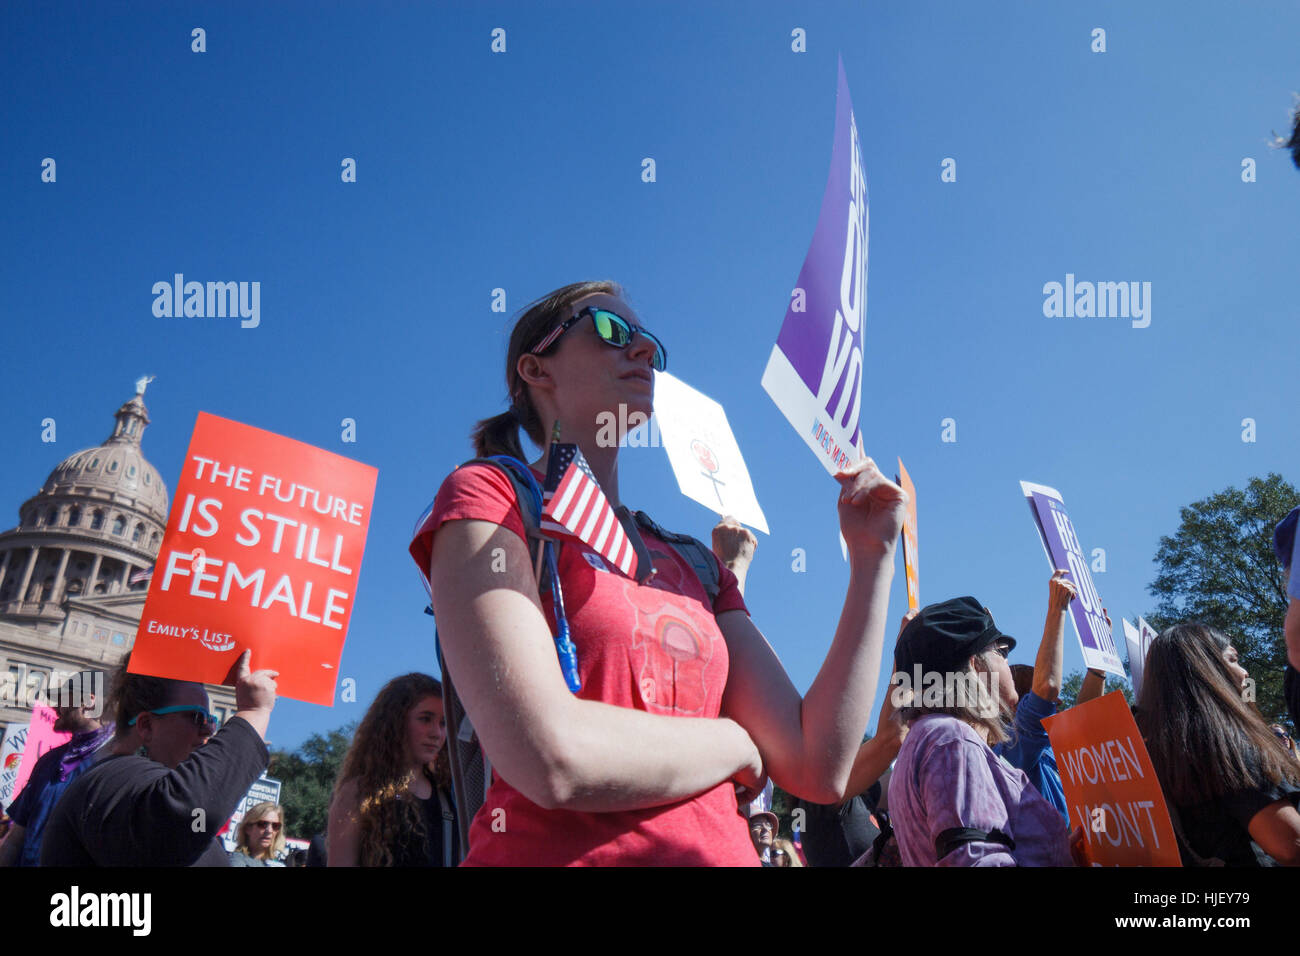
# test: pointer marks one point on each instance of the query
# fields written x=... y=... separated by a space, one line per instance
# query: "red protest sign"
x=1111 y=786
x=262 y=551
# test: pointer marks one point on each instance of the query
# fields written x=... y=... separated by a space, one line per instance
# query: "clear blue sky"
x=522 y=171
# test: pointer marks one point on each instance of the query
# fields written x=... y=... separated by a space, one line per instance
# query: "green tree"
x=1219 y=568
x=1071 y=685
x=308 y=776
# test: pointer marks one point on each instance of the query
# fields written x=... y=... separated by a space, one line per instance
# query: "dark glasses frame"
x=660 y=361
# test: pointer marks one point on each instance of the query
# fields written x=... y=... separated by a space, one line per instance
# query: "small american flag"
x=139 y=576
x=572 y=503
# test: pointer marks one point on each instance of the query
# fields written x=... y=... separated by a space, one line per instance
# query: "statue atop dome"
x=142 y=383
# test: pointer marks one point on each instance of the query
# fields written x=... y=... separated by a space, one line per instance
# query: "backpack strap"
x=530 y=509
x=448 y=819
x=693 y=551
x=471 y=772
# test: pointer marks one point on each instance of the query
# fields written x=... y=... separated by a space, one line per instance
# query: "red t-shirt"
x=656 y=648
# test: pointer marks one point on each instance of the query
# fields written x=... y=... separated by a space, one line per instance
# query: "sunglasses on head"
x=613 y=330
x=200 y=715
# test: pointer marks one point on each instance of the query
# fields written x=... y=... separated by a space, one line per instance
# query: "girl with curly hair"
x=392 y=804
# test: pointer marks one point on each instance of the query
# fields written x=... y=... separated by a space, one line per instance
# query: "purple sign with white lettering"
x=1065 y=552
x=814 y=373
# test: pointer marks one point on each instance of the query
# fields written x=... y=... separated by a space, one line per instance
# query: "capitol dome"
x=93 y=529
x=117 y=468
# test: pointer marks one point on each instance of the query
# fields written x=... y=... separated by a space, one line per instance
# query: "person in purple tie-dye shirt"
x=953 y=801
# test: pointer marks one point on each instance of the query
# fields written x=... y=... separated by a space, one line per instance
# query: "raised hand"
x=871 y=507
x=733 y=542
x=1061 y=591
x=254 y=690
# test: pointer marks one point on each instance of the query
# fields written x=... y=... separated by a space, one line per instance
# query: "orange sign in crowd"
x=1111 y=786
x=262 y=551
x=911 y=559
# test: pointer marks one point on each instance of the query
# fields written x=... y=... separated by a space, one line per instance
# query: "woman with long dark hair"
x=1232 y=787
x=392 y=803
x=681 y=698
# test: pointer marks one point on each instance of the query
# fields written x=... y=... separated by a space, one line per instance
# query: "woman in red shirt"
x=680 y=702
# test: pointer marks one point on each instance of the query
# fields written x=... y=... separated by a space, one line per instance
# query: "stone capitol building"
x=75 y=570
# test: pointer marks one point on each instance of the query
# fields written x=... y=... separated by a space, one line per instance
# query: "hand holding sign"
x=733 y=542
x=254 y=692
x=1060 y=592
x=871 y=507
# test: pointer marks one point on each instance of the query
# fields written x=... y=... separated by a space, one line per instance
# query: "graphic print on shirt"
x=671 y=645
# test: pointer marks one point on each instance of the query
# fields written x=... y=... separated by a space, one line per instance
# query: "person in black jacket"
x=163 y=803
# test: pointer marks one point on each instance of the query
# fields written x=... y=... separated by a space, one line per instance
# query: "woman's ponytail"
x=498 y=435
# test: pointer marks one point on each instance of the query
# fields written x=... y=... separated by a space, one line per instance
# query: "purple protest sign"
x=1064 y=551
x=814 y=373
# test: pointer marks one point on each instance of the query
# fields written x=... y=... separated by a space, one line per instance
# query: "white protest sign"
x=1147 y=633
x=1136 y=657
x=11 y=757
x=701 y=448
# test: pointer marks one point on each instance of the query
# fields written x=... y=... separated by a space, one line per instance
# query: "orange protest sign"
x=262 y=551
x=911 y=559
x=1111 y=786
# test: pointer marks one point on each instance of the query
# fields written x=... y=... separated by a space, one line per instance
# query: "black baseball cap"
x=942 y=637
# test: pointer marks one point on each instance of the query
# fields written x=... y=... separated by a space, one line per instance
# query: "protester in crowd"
x=763 y=827
x=837 y=834
x=55 y=771
x=734 y=544
x=1284 y=547
x=1230 y=784
x=784 y=854
x=260 y=838
x=1238 y=673
x=1280 y=732
x=639 y=765
x=161 y=805
x=953 y=801
x=1029 y=748
x=318 y=851
x=390 y=807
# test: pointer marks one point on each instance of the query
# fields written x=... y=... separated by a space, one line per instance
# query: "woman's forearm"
x=846 y=684
x=618 y=758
